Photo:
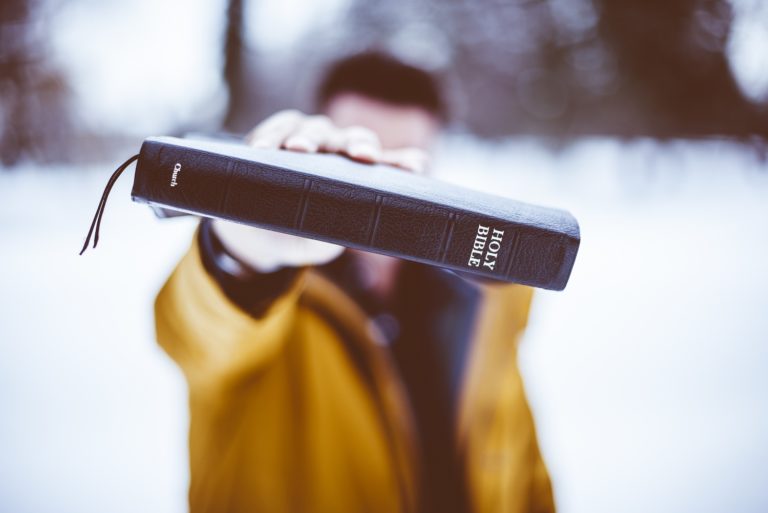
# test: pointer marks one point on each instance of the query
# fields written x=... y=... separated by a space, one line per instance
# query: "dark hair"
x=384 y=78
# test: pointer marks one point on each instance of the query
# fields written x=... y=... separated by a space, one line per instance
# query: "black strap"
x=96 y=223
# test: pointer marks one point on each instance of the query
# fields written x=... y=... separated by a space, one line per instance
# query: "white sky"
x=748 y=47
x=144 y=66
x=276 y=25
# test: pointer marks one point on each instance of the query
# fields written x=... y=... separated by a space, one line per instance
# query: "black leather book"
x=370 y=207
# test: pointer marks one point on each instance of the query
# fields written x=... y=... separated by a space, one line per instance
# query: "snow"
x=93 y=414
x=647 y=375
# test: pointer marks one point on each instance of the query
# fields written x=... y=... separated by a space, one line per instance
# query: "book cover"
x=369 y=207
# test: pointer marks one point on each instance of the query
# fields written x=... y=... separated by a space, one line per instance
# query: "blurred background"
x=646 y=118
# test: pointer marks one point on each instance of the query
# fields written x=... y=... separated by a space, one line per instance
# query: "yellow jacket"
x=284 y=420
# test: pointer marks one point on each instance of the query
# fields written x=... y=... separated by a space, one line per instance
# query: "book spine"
x=266 y=196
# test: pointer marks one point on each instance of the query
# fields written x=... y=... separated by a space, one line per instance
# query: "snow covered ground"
x=648 y=375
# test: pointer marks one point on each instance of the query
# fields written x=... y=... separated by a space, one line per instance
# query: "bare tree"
x=35 y=116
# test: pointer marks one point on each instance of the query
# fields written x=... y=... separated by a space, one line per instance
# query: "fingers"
x=362 y=144
x=293 y=130
x=314 y=133
x=410 y=159
x=273 y=131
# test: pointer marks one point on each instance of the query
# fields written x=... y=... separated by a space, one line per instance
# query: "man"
x=330 y=380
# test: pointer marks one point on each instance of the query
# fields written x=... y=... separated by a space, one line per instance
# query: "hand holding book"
x=268 y=251
x=369 y=207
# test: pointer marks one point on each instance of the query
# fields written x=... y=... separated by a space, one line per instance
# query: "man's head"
x=401 y=103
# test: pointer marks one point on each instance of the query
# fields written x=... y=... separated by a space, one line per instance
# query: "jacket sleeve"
x=497 y=429
x=208 y=335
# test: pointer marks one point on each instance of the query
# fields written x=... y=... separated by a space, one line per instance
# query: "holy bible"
x=374 y=208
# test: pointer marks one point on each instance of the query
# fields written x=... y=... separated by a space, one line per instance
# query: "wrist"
x=251 y=290
x=267 y=251
x=247 y=245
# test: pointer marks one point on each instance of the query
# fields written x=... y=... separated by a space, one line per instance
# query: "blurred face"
x=398 y=126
